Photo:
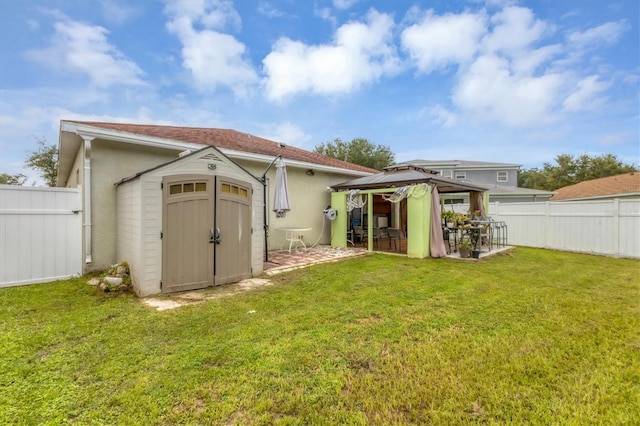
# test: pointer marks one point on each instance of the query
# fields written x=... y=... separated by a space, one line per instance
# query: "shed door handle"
x=214 y=236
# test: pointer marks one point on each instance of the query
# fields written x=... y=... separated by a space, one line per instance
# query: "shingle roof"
x=627 y=183
x=459 y=164
x=228 y=139
x=398 y=176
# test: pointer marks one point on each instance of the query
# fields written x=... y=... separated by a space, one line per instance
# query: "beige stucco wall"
x=308 y=195
x=76 y=175
x=111 y=162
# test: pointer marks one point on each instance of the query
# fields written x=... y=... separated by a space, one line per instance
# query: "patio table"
x=293 y=236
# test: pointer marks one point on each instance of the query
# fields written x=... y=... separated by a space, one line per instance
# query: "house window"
x=461 y=175
x=445 y=173
x=503 y=176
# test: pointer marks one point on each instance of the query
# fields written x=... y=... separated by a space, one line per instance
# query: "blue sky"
x=495 y=80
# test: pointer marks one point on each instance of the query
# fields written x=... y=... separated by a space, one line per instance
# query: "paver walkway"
x=278 y=262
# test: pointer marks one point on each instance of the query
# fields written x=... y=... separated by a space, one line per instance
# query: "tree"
x=570 y=170
x=358 y=151
x=45 y=161
x=7 y=179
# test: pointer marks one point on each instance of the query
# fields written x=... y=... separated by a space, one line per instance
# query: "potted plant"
x=464 y=247
x=461 y=219
x=449 y=218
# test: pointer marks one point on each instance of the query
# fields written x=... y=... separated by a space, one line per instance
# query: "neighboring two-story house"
x=501 y=179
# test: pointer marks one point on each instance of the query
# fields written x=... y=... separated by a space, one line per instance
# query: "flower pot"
x=476 y=254
x=464 y=252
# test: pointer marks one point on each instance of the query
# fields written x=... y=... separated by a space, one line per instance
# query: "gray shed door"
x=233 y=227
x=187 y=253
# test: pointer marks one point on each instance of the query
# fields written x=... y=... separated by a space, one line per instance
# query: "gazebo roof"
x=402 y=175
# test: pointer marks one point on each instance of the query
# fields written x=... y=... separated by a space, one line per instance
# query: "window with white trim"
x=445 y=173
x=461 y=175
x=503 y=176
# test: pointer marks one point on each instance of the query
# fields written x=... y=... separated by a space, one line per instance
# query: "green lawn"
x=534 y=336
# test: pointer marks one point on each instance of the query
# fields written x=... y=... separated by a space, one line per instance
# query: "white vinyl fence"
x=40 y=234
x=610 y=227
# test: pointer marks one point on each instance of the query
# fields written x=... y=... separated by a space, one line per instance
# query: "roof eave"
x=152 y=141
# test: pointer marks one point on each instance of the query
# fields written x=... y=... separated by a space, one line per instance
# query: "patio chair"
x=378 y=235
x=396 y=236
x=500 y=237
x=359 y=234
x=486 y=236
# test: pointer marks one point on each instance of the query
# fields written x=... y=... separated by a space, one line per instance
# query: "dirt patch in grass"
x=177 y=300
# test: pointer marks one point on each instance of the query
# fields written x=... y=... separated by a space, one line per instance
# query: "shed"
x=188 y=224
x=414 y=193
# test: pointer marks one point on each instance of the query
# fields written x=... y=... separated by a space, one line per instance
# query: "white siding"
x=129 y=220
x=151 y=228
x=40 y=236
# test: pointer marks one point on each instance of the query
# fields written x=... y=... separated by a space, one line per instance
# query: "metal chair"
x=378 y=235
x=396 y=236
x=359 y=234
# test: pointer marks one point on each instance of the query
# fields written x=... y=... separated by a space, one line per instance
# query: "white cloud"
x=505 y=71
x=442 y=116
x=326 y=14
x=438 y=41
x=514 y=29
x=211 y=14
x=528 y=61
x=344 y=4
x=78 y=48
x=33 y=24
x=213 y=58
x=268 y=10
x=605 y=33
x=117 y=12
x=287 y=133
x=586 y=95
x=360 y=53
x=490 y=91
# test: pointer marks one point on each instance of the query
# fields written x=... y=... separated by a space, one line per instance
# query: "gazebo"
x=406 y=197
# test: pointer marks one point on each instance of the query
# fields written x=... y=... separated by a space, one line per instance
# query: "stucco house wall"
x=125 y=155
x=111 y=162
x=309 y=196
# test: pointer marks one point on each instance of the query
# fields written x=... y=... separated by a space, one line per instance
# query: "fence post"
x=547 y=220
x=616 y=226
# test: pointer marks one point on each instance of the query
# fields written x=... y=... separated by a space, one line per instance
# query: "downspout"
x=87 y=200
x=263 y=179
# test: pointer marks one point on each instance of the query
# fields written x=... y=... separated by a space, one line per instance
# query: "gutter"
x=88 y=258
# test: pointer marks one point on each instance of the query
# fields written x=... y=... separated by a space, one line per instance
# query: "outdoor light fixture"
x=310 y=172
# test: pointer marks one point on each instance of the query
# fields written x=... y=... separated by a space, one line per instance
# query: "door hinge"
x=160 y=285
x=161 y=234
x=161 y=185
